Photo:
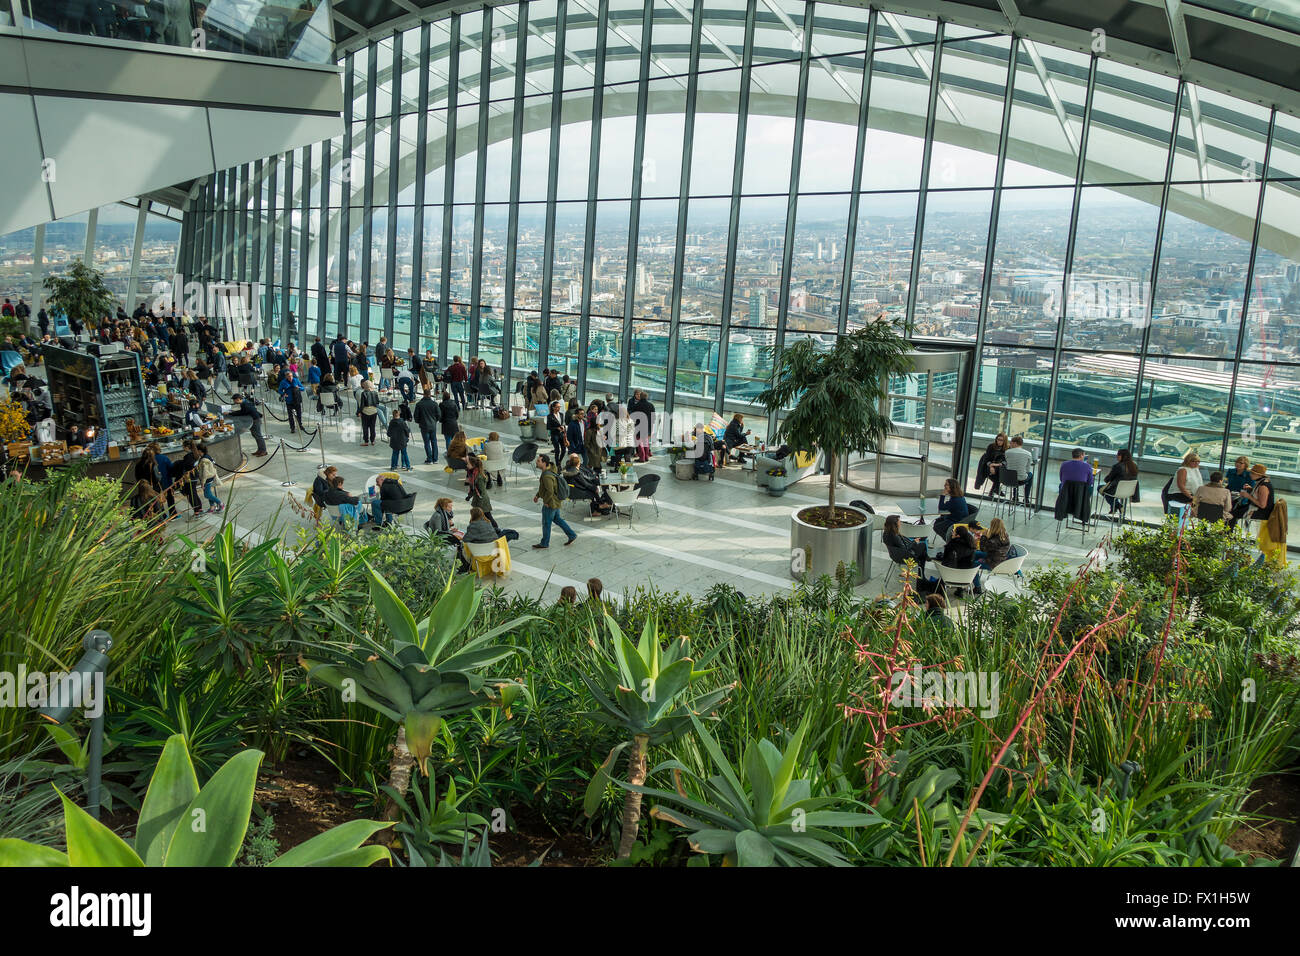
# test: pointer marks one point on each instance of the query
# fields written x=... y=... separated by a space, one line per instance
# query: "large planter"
x=815 y=551
x=684 y=468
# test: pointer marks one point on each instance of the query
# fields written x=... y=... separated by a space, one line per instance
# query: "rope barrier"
x=249 y=471
x=313 y=434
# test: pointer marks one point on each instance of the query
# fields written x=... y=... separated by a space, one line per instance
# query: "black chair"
x=247 y=378
x=398 y=507
x=454 y=465
x=526 y=452
x=646 y=486
x=1074 y=504
x=579 y=494
x=1205 y=511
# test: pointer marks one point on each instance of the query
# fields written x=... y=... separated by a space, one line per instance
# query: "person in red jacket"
x=456 y=377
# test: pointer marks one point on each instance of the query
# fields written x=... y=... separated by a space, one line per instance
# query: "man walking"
x=246 y=406
x=428 y=417
x=548 y=493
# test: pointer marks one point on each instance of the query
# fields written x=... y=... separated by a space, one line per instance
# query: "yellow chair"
x=804 y=459
x=486 y=563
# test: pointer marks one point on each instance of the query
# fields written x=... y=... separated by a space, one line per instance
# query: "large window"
x=1122 y=247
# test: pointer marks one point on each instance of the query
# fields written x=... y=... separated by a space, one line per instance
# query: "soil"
x=821 y=517
x=301 y=795
x=1276 y=796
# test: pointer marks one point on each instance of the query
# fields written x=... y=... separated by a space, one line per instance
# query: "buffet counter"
x=224 y=447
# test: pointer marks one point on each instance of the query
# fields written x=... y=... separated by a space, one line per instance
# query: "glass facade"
x=649 y=193
x=135 y=249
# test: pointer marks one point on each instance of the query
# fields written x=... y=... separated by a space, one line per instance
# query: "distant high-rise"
x=757 y=307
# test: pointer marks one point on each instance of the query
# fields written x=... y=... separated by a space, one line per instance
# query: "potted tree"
x=834 y=399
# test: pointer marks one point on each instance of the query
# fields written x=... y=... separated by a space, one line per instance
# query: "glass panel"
x=882 y=255
x=1046 y=128
x=1028 y=265
x=1203 y=261
x=817 y=271
x=952 y=263
x=1110 y=283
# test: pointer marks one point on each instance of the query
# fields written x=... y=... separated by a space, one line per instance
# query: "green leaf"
x=171 y=790
x=753 y=849
x=90 y=843
x=69 y=743
x=342 y=839
x=393 y=611
x=214 y=836
x=450 y=616
x=599 y=781
x=713 y=841
x=22 y=853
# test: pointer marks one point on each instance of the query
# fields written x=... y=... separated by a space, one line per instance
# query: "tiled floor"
x=706 y=532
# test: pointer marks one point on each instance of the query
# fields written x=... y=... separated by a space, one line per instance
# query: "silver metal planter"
x=816 y=551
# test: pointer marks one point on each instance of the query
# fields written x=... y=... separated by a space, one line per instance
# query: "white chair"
x=1123 y=495
x=623 y=500
x=329 y=403
x=495 y=467
x=956 y=577
x=1011 y=567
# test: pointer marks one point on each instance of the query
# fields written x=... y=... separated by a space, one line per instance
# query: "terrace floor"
x=724 y=531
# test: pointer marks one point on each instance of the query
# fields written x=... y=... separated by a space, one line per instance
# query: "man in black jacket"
x=179 y=343
x=450 y=418
x=320 y=356
x=428 y=416
x=341 y=356
x=390 y=489
x=246 y=406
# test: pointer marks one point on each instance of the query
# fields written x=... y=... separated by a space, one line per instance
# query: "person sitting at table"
x=481 y=529
x=1182 y=484
x=990 y=464
x=495 y=451
x=735 y=435
x=1019 y=459
x=582 y=478
x=327 y=386
x=1076 y=468
x=1238 y=481
x=354 y=378
x=320 y=487
x=994 y=545
x=441 y=525
x=903 y=549
x=1124 y=469
x=952 y=507
x=960 y=552
x=1213 y=492
x=335 y=496
x=390 y=489
x=458 y=453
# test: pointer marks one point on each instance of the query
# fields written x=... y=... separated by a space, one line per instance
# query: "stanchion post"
x=288 y=482
x=320 y=433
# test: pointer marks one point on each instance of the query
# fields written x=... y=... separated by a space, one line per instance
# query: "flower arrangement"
x=13 y=422
x=776 y=472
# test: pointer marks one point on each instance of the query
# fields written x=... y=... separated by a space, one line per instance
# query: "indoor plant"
x=835 y=403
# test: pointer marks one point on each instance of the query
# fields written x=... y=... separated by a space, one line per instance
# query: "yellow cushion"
x=802 y=459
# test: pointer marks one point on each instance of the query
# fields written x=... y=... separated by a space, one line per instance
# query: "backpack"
x=561 y=487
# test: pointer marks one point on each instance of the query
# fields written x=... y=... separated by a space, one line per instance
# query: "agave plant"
x=420 y=676
x=182 y=825
x=647 y=691
x=761 y=813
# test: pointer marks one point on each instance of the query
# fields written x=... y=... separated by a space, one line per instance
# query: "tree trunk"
x=636 y=772
x=399 y=773
x=831 y=456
